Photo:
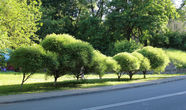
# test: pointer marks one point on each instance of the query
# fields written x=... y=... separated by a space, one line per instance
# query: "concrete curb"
x=58 y=94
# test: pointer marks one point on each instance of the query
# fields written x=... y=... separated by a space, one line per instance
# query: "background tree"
x=80 y=18
x=137 y=19
x=126 y=46
x=18 y=24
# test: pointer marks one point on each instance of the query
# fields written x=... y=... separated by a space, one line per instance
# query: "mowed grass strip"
x=10 y=82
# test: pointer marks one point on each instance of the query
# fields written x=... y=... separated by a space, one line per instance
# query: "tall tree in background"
x=138 y=18
x=103 y=22
x=61 y=16
x=80 y=18
x=91 y=28
x=18 y=22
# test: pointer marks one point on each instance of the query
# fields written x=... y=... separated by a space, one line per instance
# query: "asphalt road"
x=168 y=96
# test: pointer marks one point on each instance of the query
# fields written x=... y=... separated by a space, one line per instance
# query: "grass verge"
x=10 y=82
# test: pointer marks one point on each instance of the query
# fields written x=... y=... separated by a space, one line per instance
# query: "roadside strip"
x=65 y=93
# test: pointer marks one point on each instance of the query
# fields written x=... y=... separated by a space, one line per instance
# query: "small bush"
x=98 y=65
x=157 y=57
x=112 y=65
x=57 y=44
x=80 y=56
x=28 y=60
x=51 y=64
x=128 y=63
x=144 y=63
x=73 y=55
x=126 y=46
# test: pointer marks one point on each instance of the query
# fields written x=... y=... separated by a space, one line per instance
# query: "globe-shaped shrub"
x=98 y=65
x=28 y=59
x=144 y=63
x=157 y=57
x=128 y=63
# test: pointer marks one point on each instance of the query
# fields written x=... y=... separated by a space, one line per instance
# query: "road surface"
x=168 y=96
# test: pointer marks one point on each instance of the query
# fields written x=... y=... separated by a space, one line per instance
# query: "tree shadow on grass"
x=63 y=85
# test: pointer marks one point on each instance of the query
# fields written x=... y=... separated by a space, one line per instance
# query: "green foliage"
x=2 y=61
x=159 y=40
x=126 y=46
x=73 y=54
x=177 y=57
x=112 y=65
x=136 y=18
x=18 y=24
x=144 y=62
x=157 y=57
x=98 y=65
x=28 y=59
x=128 y=63
x=64 y=16
x=57 y=43
x=80 y=55
x=175 y=40
x=50 y=62
x=102 y=64
x=92 y=30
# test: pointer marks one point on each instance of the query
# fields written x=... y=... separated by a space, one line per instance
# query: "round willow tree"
x=157 y=57
x=144 y=63
x=128 y=64
x=28 y=59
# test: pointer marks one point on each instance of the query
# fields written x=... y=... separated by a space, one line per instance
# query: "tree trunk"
x=23 y=80
x=77 y=77
x=119 y=76
x=100 y=77
x=144 y=74
x=145 y=43
x=55 y=80
x=130 y=75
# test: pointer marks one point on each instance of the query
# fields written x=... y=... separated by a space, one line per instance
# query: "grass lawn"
x=178 y=57
x=10 y=82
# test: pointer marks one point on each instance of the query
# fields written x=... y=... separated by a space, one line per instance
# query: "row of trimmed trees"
x=63 y=54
